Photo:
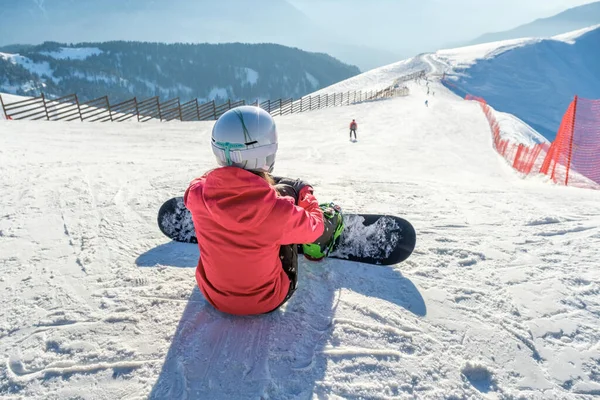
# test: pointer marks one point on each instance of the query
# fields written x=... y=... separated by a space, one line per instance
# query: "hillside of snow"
x=534 y=79
x=501 y=298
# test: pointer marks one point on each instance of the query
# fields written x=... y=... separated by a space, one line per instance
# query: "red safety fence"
x=522 y=158
x=574 y=152
x=576 y=148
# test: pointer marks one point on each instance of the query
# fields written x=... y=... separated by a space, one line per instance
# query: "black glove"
x=296 y=184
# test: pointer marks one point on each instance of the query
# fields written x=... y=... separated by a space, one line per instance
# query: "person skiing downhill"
x=353 y=127
x=251 y=222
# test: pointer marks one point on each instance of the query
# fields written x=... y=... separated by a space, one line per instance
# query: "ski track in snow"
x=501 y=298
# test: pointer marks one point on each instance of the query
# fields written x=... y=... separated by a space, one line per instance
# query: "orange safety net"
x=574 y=156
x=576 y=150
x=522 y=158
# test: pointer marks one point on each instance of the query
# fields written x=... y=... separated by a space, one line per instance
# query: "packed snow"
x=73 y=53
x=501 y=298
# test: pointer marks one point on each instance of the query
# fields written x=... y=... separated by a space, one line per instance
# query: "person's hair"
x=265 y=175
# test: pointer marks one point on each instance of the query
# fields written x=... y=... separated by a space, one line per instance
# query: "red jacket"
x=240 y=224
x=353 y=125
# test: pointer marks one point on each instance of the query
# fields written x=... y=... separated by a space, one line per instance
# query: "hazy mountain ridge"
x=566 y=21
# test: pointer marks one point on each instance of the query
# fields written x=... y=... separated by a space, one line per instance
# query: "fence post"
x=571 y=140
x=197 y=109
x=229 y=104
x=137 y=110
x=179 y=108
x=301 y=107
x=214 y=109
x=45 y=107
x=3 y=107
x=109 y=110
x=78 y=107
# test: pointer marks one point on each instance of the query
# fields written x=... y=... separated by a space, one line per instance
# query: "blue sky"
x=426 y=23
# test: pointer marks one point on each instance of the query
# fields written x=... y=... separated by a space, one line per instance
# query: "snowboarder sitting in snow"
x=353 y=127
x=248 y=223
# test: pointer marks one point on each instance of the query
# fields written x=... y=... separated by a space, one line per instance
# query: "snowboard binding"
x=334 y=226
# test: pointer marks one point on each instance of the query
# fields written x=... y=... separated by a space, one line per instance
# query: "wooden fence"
x=68 y=108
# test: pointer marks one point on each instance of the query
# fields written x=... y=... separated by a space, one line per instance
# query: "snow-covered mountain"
x=126 y=69
x=534 y=79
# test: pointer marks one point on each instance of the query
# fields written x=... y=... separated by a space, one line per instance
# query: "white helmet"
x=245 y=137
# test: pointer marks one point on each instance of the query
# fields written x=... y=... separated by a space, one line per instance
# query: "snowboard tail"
x=367 y=238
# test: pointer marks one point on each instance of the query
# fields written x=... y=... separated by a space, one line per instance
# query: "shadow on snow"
x=172 y=254
x=280 y=355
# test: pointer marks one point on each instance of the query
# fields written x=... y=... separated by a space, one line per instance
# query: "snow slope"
x=501 y=298
x=534 y=79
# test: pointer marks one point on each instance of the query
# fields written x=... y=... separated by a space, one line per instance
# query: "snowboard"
x=367 y=238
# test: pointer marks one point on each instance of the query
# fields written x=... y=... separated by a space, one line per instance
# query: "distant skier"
x=353 y=128
x=426 y=103
x=250 y=222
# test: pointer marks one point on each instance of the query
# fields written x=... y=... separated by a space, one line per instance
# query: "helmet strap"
x=227 y=149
